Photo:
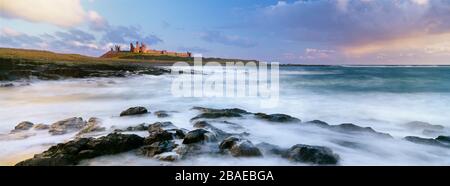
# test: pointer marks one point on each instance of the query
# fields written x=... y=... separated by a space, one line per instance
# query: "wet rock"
x=74 y=151
x=209 y=113
x=157 y=148
x=440 y=142
x=211 y=110
x=244 y=148
x=268 y=148
x=161 y=114
x=22 y=126
x=93 y=125
x=318 y=123
x=227 y=143
x=444 y=139
x=352 y=128
x=134 y=111
x=311 y=154
x=218 y=133
x=177 y=133
x=67 y=125
x=158 y=136
x=160 y=126
x=215 y=115
x=281 y=118
x=41 y=127
x=140 y=127
x=419 y=125
x=239 y=147
x=195 y=136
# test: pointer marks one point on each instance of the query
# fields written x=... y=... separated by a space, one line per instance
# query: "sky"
x=291 y=31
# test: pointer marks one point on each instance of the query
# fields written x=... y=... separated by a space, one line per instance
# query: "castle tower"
x=137 y=47
x=132 y=49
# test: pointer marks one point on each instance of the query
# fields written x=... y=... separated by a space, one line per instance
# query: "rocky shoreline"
x=169 y=143
x=22 y=69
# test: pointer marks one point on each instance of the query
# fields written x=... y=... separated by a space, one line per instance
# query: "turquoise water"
x=393 y=79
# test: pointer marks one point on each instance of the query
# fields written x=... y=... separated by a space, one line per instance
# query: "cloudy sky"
x=291 y=31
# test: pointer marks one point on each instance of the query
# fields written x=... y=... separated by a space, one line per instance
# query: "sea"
x=384 y=98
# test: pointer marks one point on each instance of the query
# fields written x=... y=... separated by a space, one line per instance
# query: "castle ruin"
x=142 y=48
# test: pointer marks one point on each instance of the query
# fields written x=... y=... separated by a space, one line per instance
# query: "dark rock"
x=195 y=136
x=211 y=110
x=311 y=154
x=215 y=115
x=67 y=125
x=352 y=128
x=318 y=123
x=209 y=113
x=140 y=127
x=41 y=127
x=177 y=133
x=419 y=125
x=134 y=111
x=158 y=136
x=443 y=139
x=282 y=118
x=161 y=114
x=427 y=141
x=229 y=142
x=160 y=126
x=239 y=147
x=23 y=126
x=244 y=148
x=74 y=151
x=93 y=125
x=157 y=148
x=214 y=130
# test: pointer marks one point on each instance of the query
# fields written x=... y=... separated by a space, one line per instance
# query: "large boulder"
x=280 y=118
x=134 y=111
x=160 y=126
x=209 y=113
x=352 y=128
x=311 y=154
x=72 y=152
x=239 y=147
x=158 y=137
x=195 y=136
x=218 y=133
x=22 y=126
x=67 y=125
x=244 y=148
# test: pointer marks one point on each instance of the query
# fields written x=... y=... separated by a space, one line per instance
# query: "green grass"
x=121 y=58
